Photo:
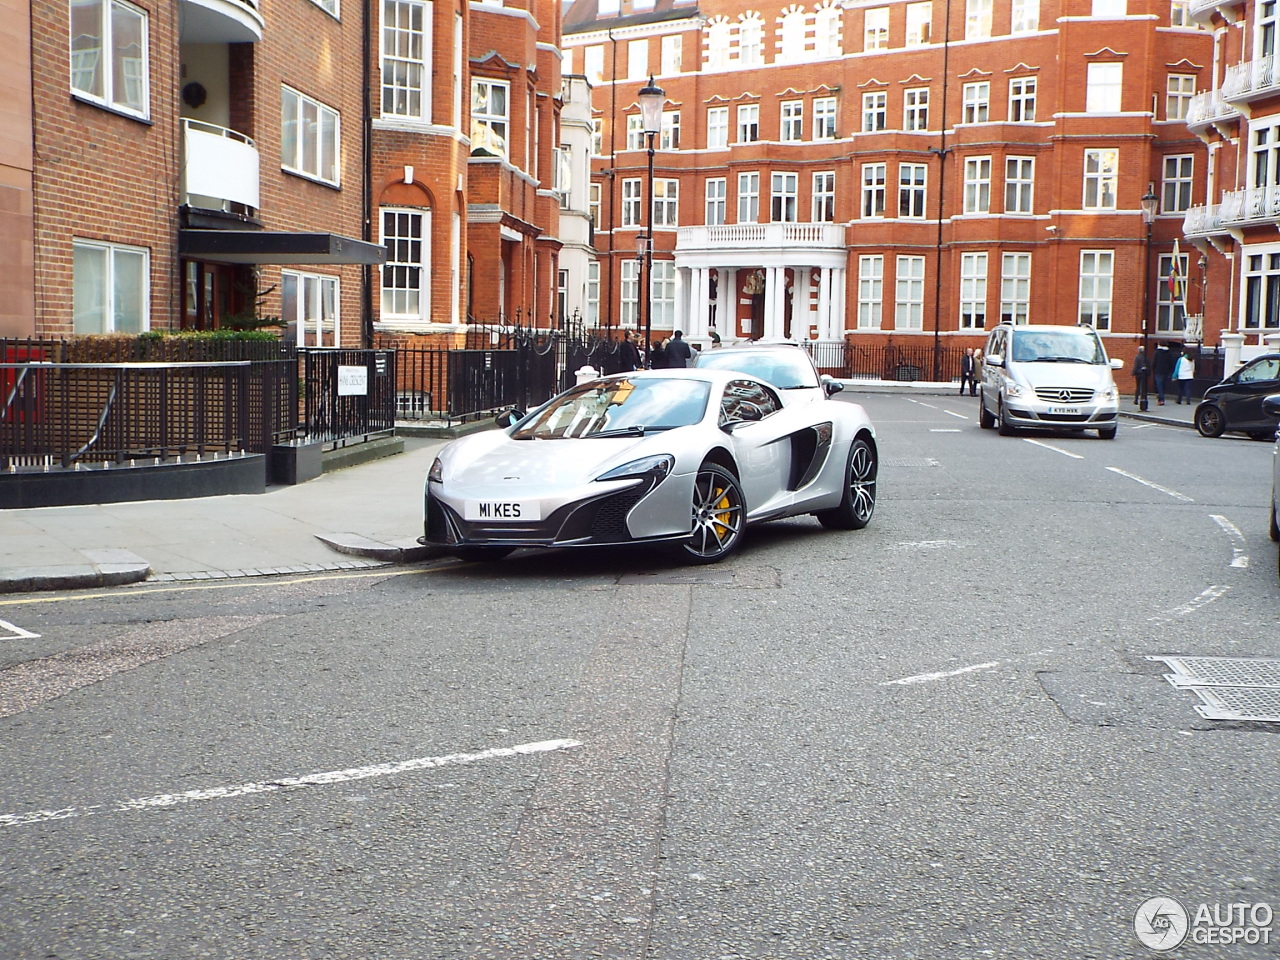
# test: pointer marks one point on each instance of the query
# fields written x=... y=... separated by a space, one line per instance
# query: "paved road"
x=937 y=737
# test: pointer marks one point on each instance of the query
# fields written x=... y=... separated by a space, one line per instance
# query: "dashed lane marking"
x=1049 y=446
x=164 y=800
x=927 y=677
x=1154 y=486
x=1238 y=557
x=944 y=430
x=952 y=413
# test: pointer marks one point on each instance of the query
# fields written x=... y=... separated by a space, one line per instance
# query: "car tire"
x=986 y=420
x=1274 y=530
x=1107 y=433
x=858 y=501
x=1210 y=421
x=482 y=554
x=1004 y=428
x=719 y=515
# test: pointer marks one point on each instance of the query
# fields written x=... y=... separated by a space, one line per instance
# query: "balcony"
x=1202 y=11
x=219 y=169
x=1208 y=108
x=755 y=236
x=1251 y=80
x=1251 y=206
x=1203 y=221
x=220 y=21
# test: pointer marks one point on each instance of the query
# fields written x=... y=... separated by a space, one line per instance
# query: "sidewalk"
x=371 y=514
x=358 y=517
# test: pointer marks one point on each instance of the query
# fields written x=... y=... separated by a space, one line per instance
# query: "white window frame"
x=666 y=203
x=823 y=209
x=977 y=19
x=748 y=122
x=919 y=23
x=99 y=57
x=717 y=203
x=875 y=111
x=672 y=54
x=827 y=22
x=717 y=128
x=791 y=35
x=908 y=308
x=1022 y=100
x=874 y=177
x=405 y=284
x=662 y=294
x=490 y=127
x=593 y=63
x=1101 y=179
x=973 y=291
x=913 y=182
x=784 y=197
x=875 y=29
x=824 y=118
x=1109 y=9
x=635 y=132
x=915 y=108
x=406 y=65
x=638 y=60
x=1179 y=89
x=870 y=291
x=749 y=197
x=597 y=136
x=750 y=40
x=632 y=201
x=317 y=314
x=1177 y=182
x=1097 y=278
x=328 y=6
x=1015 y=288
x=1171 y=314
x=669 y=138
x=629 y=292
x=1259 y=291
x=325 y=128
x=1019 y=185
x=977 y=184
x=1024 y=16
x=1104 y=88
x=97 y=305
x=976 y=102
x=593 y=293
x=791 y=122
x=1180 y=14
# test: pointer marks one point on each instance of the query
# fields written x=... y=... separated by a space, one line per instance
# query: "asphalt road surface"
x=938 y=737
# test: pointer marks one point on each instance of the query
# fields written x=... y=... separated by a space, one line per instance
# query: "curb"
x=72 y=577
x=398 y=551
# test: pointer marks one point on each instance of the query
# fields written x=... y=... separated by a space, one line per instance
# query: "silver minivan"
x=1049 y=378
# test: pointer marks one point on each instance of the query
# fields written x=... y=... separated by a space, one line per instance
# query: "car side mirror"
x=994 y=359
x=832 y=387
x=509 y=418
x=1117 y=363
x=1271 y=405
x=746 y=413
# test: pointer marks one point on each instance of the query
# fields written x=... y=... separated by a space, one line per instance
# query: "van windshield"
x=1057 y=346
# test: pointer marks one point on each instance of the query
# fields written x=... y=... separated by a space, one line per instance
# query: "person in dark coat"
x=1162 y=369
x=657 y=355
x=968 y=369
x=1141 y=369
x=628 y=353
x=678 y=352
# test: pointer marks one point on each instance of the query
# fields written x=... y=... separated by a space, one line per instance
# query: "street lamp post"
x=1150 y=202
x=652 y=98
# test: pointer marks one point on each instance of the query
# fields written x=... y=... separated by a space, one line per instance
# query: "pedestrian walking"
x=968 y=370
x=628 y=353
x=1140 y=371
x=657 y=355
x=678 y=352
x=1162 y=369
x=1184 y=372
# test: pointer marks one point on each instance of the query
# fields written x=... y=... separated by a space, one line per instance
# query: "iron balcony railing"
x=1250 y=205
x=1207 y=108
x=1253 y=78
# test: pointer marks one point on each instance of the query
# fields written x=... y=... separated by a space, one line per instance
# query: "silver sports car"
x=687 y=457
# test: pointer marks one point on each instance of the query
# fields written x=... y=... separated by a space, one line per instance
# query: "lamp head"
x=652 y=98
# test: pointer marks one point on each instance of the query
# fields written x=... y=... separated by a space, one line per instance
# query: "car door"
x=1243 y=404
x=761 y=444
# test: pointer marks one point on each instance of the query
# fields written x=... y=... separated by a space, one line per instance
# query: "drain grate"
x=1229 y=688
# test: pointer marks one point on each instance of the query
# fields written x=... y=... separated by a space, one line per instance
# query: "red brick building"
x=1237 y=114
x=199 y=163
x=877 y=171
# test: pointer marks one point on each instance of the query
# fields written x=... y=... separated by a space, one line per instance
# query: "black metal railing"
x=71 y=414
x=903 y=362
x=347 y=393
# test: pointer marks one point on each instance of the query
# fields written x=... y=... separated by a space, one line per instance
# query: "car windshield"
x=615 y=408
x=787 y=369
x=1062 y=346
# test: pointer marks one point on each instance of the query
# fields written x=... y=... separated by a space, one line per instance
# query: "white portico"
x=770 y=280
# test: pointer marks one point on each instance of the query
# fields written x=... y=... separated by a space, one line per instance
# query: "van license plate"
x=502 y=511
x=1065 y=411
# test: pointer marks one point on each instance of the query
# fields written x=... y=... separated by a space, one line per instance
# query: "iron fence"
x=347 y=393
x=892 y=361
x=71 y=414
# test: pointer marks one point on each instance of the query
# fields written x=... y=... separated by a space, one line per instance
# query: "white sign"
x=353 y=381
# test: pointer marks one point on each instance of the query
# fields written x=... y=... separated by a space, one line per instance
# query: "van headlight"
x=1108 y=394
x=1014 y=389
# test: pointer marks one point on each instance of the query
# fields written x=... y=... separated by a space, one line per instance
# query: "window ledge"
x=127 y=114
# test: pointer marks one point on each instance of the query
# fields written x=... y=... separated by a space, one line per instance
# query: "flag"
x=1177 y=283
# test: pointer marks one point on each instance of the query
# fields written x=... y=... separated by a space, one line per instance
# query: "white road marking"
x=1238 y=557
x=1191 y=606
x=1154 y=486
x=18 y=632
x=944 y=429
x=286 y=783
x=928 y=544
x=926 y=677
x=952 y=413
x=1049 y=446
x=923 y=404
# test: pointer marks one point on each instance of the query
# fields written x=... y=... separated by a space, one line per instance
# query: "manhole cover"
x=1229 y=688
x=910 y=462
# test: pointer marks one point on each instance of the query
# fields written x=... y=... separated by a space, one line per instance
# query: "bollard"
x=586 y=374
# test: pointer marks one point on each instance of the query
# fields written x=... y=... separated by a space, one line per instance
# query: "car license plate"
x=1066 y=411
x=502 y=511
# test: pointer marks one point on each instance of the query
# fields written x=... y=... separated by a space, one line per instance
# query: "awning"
x=255 y=246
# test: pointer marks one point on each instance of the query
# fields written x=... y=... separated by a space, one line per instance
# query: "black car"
x=1236 y=403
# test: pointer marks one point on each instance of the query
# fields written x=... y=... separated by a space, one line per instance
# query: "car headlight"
x=1014 y=389
x=436 y=473
x=1108 y=394
x=655 y=468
